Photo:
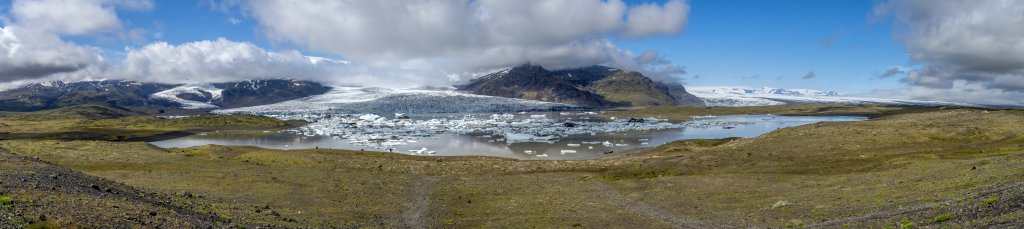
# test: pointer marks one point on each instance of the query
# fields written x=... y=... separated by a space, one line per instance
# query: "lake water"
x=579 y=146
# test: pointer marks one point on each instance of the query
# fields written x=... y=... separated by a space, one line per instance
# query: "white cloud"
x=445 y=37
x=73 y=17
x=26 y=54
x=651 y=19
x=959 y=91
x=224 y=60
x=430 y=42
x=217 y=61
x=978 y=42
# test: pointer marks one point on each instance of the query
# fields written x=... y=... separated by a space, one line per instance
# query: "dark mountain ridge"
x=594 y=87
x=138 y=96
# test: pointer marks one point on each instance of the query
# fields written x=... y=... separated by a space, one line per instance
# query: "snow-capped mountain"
x=148 y=96
x=766 y=96
x=386 y=101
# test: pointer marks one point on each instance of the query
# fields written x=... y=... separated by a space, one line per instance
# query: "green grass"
x=6 y=200
x=942 y=218
x=906 y=224
x=991 y=201
x=100 y=123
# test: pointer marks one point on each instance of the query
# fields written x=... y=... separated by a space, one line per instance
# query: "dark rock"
x=569 y=124
x=93 y=186
x=152 y=213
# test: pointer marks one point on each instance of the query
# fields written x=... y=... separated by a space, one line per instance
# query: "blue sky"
x=754 y=43
x=962 y=50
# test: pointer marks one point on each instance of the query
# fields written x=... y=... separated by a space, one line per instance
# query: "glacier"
x=385 y=101
x=206 y=91
x=766 y=96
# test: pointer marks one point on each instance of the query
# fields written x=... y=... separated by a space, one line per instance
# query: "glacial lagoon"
x=533 y=136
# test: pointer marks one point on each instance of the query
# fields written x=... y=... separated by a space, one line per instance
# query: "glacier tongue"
x=384 y=101
x=739 y=97
x=209 y=92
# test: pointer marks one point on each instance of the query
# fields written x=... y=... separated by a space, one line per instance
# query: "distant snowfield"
x=372 y=100
x=194 y=89
x=739 y=97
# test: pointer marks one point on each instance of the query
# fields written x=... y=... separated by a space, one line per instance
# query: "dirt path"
x=416 y=208
x=675 y=221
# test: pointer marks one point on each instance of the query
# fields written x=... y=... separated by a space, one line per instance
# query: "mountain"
x=738 y=97
x=260 y=92
x=151 y=97
x=50 y=95
x=593 y=87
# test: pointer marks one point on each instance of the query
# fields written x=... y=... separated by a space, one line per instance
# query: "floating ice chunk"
x=516 y=138
x=418 y=151
x=528 y=151
x=643 y=143
x=542 y=155
x=540 y=116
x=369 y=117
x=607 y=143
x=573 y=145
x=621 y=144
x=565 y=151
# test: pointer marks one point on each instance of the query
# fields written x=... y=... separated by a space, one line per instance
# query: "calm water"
x=485 y=145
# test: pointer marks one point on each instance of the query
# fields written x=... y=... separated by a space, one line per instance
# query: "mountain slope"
x=593 y=87
x=155 y=97
x=260 y=92
x=533 y=82
x=51 y=95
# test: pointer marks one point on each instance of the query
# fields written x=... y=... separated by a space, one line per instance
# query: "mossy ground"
x=904 y=165
x=101 y=123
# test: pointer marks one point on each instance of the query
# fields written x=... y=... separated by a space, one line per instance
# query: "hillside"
x=594 y=87
x=155 y=97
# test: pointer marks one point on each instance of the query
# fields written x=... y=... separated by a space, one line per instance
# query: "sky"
x=956 y=50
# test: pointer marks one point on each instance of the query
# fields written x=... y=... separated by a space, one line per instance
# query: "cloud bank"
x=462 y=36
x=386 y=43
x=969 y=48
